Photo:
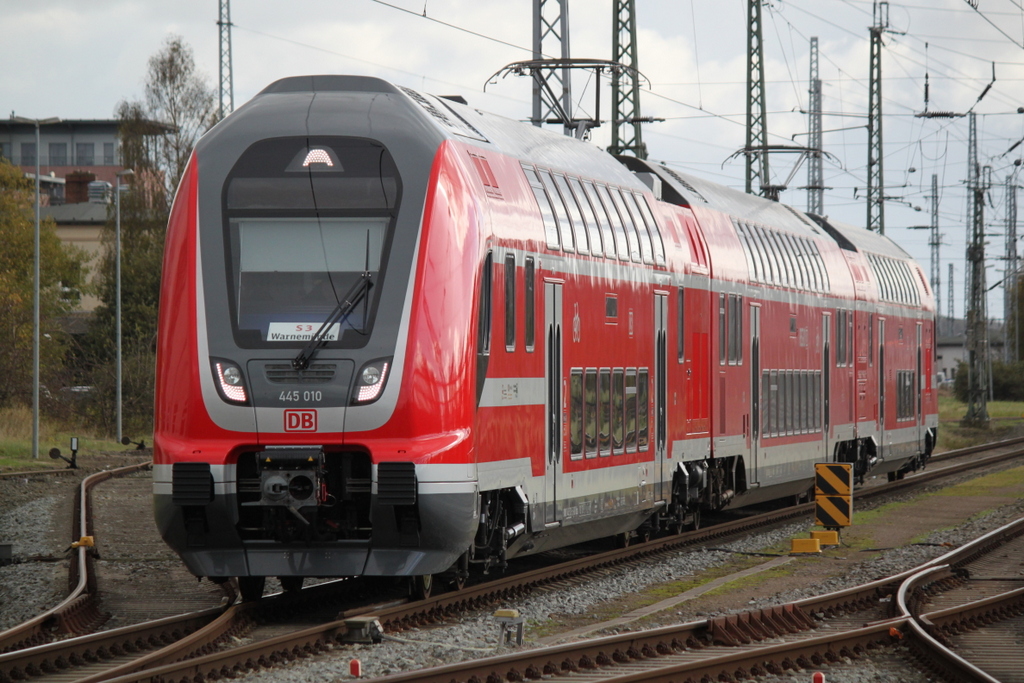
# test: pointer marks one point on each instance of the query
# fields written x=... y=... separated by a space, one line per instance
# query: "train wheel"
x=291 y=584
x=643 y=534
x=624 y=540
x=420 y=587
x=695 y=523
x=251 y=587
x=461 y=572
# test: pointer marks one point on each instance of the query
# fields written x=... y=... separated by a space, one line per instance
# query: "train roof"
x=456 y=120
x=682 y=188
x=863 y=240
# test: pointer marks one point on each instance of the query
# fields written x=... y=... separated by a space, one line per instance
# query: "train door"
x=553 y=400
x=755 y=392
x=826 y=384
x=919 y=392
x=660 y=393
x=881 y=388
x=694 y=352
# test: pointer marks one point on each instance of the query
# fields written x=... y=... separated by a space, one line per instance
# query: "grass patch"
x=16 y=441
x=1007 y=419
x=751 y=581
x=988 y=485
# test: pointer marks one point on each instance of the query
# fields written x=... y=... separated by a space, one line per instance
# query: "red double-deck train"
x=403 y=337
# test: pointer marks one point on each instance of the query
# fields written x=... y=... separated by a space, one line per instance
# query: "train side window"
x=589 y=217
x=780 y=409
x=642 y=394
x=807 y=263
x=753 y=264
x=632 y=238
x=773 y=414
x=564 y=227
x=643 y=239
x=652 y=225
x=762 y=254
x=631 y=417
x=840 y=337
x=510 y=302
x=722 y=330
x=799 y=268
x=766 y=403
x=646 y=247
x=575 y=216
x=576 y=414
x=602 y=218
x=809 y=380
x=849 y=338
x=816 y=387
x=544 y=203
x=769 y=255
x=812 y=265
x=680 y=325
x=784 y=260
x=789 y=401
x=590 y=413
x=871 y=339
x=622 y=245
x=604 y=409
x=735 y=329
x=804 y=410
x=618 y=404
x=819 y=267
x=529 y=305
x=825 y=283
x=484 y=329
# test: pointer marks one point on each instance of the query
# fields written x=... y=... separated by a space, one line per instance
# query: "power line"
x=996 y=27
x=454 y=26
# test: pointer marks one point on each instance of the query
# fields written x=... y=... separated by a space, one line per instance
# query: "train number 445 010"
x=301 y=396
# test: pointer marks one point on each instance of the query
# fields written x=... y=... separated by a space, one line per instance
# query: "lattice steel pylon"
x=934 y=241
x=626 y=123
x=551 y=37
x=949 y=301
x=977 y=320
x=1010 y=301
x=815 y=175
x=227 y=83
x=876 y=177
x=755 y=150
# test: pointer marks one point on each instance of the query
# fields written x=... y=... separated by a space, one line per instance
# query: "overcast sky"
x=77 y=60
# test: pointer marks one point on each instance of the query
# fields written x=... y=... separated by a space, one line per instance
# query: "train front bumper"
x=206 y=536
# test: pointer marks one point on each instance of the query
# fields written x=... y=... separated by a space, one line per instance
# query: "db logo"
x=300 y=420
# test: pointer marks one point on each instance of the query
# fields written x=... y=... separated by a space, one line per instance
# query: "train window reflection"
x=576 y=415
x=295 y=270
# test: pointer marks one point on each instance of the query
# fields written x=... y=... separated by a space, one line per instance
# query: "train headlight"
x=370 y=381
x=230 y=381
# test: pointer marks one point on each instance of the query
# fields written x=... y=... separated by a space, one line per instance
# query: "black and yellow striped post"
x=833 y=493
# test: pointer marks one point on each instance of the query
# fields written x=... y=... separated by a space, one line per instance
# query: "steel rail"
x=78 y=612
x=319 y=638
x=157 y=665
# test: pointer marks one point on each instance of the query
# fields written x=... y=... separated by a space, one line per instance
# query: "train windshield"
x=305 y=219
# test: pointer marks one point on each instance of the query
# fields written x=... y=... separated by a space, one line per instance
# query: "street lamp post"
x=35 y=291
x=117 y=270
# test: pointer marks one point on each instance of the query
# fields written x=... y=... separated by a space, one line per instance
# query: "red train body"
x=399 y=336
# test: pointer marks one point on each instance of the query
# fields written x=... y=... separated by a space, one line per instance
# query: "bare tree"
x=178 y=94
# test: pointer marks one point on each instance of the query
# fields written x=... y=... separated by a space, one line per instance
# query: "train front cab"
x=274 y=461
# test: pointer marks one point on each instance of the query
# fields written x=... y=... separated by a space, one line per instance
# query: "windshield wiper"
x=340 y=313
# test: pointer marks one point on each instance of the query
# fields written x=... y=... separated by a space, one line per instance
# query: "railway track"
x=202 y=646
x=78 y=612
